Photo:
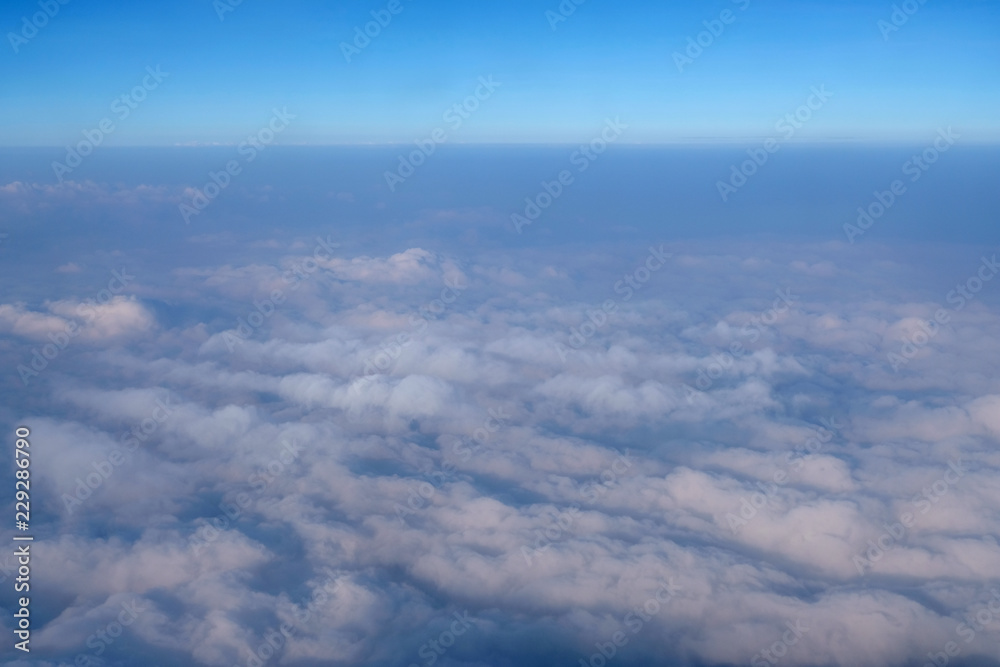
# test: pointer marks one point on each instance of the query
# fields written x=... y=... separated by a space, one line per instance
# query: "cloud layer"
x=429 y=457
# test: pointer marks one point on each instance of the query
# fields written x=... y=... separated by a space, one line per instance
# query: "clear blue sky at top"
x=606 y=60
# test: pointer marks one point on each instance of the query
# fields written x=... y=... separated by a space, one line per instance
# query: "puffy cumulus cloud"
x=90 y=320
x=121 y=316
x=410 y=266
x=17 y=319
x=717 y=466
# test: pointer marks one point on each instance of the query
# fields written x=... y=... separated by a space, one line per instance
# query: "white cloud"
x=422 y=486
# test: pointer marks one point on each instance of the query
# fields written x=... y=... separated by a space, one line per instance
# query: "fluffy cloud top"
x=417 y=458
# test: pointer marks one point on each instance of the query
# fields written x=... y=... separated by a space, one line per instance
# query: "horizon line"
x=530 y=144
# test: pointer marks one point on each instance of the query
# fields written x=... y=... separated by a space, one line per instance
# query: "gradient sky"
x=606 y=60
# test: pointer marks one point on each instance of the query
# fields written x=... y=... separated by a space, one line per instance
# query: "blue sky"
x=557 y=85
